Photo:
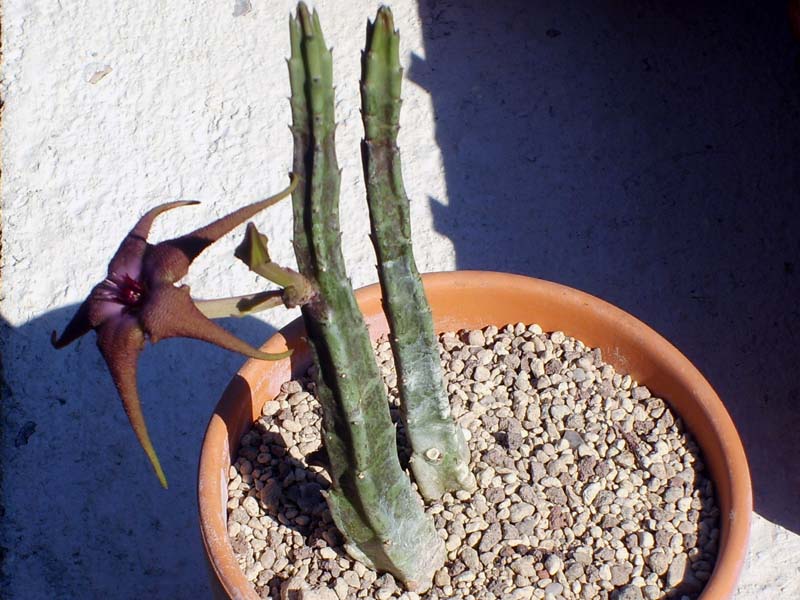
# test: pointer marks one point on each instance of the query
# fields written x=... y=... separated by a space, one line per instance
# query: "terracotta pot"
x=473 y=299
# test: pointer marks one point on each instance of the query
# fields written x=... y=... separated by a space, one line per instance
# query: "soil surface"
x=589 y=487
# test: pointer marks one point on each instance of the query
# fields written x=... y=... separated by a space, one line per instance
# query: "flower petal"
x=170 y=312
x=128 y=257
x=79 y=325
x=120 y=341
x=169 y=261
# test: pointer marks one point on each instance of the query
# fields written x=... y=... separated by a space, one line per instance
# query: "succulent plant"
x=371 y=498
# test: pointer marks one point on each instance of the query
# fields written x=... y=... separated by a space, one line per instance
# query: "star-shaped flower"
x=138 y=299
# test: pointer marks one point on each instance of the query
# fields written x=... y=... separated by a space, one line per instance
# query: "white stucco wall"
x=113 y=107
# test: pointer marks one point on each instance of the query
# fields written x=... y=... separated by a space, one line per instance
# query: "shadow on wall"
x=83 y=509
x=645 y=153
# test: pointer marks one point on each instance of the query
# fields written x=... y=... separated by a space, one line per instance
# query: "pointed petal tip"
x=60 y=342
x=78 y=326
x=162 y=479
x=154 y=462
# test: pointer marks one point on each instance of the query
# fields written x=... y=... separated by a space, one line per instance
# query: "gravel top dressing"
x=588 y=486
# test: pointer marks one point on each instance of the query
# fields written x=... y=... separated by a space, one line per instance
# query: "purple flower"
x=139 y=300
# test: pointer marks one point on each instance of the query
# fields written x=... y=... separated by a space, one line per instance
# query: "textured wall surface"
x=643 y=152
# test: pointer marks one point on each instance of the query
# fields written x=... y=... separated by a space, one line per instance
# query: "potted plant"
x=371 y=499
x=473 y=300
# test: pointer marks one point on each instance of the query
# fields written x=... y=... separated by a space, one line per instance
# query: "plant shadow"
x=583 y=145
x=82 y=507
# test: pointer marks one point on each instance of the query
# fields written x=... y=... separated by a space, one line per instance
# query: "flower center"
x=123 y=289
x=130 y=292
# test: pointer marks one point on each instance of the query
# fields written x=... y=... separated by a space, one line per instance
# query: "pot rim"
x=729 y=470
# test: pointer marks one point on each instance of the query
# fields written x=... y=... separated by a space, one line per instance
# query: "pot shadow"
x=644 y=153
x=82 y=507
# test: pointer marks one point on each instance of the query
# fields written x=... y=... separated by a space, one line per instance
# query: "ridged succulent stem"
x=440 y=458
x=371 y=498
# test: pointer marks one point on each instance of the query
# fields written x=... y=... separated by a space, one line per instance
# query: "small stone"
x=621 y=573
x=629 y=592
x=271 y=494
x=556 y=495
x=481 y=374
x=553 y=564
x=559 y=517
x=490 y=538
x=673 y=494
x=250 y=506
x=528 y=526
x=234 y=527
x=328 y=553
x=341 y=589
x=520 y=511
x=677 y=570
x=384 y=593
x=651 y=592
x=583 y=555
x=586 y=467
x=573 y=438
x=469 y=556
x=523 y=593
x=442 y=578
x=268 y=557
x=292 y=426
x=552 y=366
x=476 y=338
x=574 y=572
x=537 y=471
x=352 y=579
x=646 y=539
x=554 y=589
x=270 y=408
x=525 y=566
x=251 y=574
x=522 y=382
x=590 y=492
x=658 y=561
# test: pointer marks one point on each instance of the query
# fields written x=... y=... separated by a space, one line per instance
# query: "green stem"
x=239 y=306
x=440 y=458
x=371 y=498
